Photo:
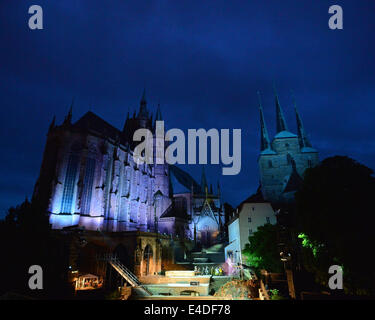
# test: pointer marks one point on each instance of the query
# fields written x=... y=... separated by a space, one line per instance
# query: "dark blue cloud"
x=203 y=60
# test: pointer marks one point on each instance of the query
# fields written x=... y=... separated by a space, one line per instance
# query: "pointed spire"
x=143 y=99
x=143 y=106
x=203 y=181
x=302 y=137
x=151 y=116
x=158 y=113
x=70 y=114
x=126 y=122
x=280 y=120
x=264 y=139
x=157 y=116
x=52 y=125
x=68 y=118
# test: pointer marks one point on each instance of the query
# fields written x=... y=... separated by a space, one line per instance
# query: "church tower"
x=162 y=180
x=283 y=161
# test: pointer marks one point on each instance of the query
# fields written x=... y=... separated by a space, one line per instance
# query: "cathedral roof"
x=181 y=180
x=173 y=212
x=177 y=186
x=91 y=121
x=285 y=134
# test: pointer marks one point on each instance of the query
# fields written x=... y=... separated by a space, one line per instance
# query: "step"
x=200 y=260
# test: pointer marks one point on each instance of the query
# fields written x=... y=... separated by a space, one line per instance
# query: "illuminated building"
x=88 y=176
x=283 y=161
x=249 y=216
x=203 y=206
x=89 y=179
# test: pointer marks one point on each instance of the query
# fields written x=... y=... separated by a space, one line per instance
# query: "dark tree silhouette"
x=335 y=213
x=26 y=239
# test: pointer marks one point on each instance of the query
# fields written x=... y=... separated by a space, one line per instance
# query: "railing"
x=125 y=272
x=263 y=294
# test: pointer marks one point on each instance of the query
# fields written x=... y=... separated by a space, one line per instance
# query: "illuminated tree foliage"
x=312 y=245
x=262 y=252
x=335 y=219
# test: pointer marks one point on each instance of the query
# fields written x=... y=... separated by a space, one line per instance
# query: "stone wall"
x=276 y=168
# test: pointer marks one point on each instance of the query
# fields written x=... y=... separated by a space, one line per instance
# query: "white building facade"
x=247 y=220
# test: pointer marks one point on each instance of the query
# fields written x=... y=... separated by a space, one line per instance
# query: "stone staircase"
x=210 y=257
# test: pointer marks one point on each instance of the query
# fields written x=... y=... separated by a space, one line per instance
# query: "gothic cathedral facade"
x=88 y=176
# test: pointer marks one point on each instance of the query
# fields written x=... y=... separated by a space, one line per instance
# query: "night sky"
x=203 y=60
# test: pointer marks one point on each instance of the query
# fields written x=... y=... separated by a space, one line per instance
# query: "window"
x=250 y=232
x=269 y=163
x=230 y=254
x=268 y=219
x=249 y=219
x=309 y=163
x=88 y=181
x=70 y=177
x=287 y=146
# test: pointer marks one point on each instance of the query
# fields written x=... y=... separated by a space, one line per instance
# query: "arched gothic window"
x=88 y=181
x=69 y=184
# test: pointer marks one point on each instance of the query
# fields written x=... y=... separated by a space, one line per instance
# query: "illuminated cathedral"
x=283 y=161
x=89 y=179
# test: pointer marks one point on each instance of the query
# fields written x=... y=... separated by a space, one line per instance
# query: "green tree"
x=262 y=251
x=335 y=217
